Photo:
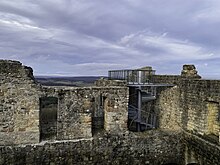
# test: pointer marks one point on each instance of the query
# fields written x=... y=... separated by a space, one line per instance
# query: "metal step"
x=149 y=98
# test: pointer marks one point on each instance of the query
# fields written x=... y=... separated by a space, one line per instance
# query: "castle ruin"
x=133 y=117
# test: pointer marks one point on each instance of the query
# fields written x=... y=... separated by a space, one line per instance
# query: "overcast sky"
x=90 y=37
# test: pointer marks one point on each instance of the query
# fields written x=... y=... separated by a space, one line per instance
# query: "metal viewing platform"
x=137 y=76
x=142 y=80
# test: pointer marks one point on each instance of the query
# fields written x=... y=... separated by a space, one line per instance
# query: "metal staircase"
x=142 y=80
x=147 y=95
x=139 y=119
x=148 y=120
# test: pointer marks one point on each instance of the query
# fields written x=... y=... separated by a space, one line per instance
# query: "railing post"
x=139 y=109
x=139 y=77
x=109 y=74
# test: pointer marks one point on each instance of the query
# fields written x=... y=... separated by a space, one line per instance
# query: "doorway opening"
x=98 y=115
x=48 y=118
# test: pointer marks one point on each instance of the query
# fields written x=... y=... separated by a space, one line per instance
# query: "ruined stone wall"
x=188 y=72
x=115 y=119
x=200 y=104
x=198 y=150
x=19 y=104
x=20 y=107
x=152 y=148
x=194 y=101
x=166 y=79
x=158 y=79
x=167 y=105
x=76 y=107
x=193 y=105
x=105 y=82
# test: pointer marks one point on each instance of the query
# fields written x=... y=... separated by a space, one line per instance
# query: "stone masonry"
x=20 y=107
x=187 y=132
x=76 y=107
x=192 y=107
x=19 y=104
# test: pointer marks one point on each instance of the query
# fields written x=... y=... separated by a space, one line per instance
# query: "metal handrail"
x=136 y=116
x=132 y=76
x=133 y=107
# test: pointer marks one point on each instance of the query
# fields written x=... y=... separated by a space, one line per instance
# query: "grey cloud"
x=81 y=37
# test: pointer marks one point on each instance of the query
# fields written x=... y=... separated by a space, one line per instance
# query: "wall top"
x=189 y=71
x=12 y=68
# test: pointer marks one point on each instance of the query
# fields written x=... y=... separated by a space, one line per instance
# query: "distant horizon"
x=65 y=76
x=68 y=76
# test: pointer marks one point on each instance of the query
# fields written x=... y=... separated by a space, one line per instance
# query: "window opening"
x=48 y=118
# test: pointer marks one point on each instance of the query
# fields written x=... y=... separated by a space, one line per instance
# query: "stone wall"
x=19 y=104
x=76 y=107
x=198 y=150
x=20 y=107
x=200 y=105
x=166 y=79
x=193 y=107
x=105 y=82
x=167 y=105
x=188 y=72
x=194 y=104
x=152 y=148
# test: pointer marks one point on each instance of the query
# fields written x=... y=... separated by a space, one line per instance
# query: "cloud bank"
x=81 y=37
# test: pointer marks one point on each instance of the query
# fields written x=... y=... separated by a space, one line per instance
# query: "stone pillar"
x=189 y=71
x=116 y=114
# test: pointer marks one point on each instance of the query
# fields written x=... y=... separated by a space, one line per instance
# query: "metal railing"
x=148 y=120
x=138 y=76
